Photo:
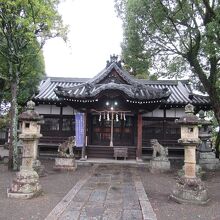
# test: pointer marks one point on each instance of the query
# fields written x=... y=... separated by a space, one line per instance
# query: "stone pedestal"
x=208 y=161
x=26 y=184
x=159 y=166
x=190 y=190
x=65 y=164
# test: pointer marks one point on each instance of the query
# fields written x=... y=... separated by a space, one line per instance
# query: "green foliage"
x=32 y=72
x=2 y=85
x=3 y=122
x=25 y=25
x=181 y=38
x=168 y=32
x=133 y=54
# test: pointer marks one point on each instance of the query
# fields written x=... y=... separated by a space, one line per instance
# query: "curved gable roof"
x=108 y=79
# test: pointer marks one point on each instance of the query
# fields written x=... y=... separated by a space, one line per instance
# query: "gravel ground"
x=55 y=186
x=158 y=188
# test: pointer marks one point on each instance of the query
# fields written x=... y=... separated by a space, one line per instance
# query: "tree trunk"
x=217 y=144
x=10 y=156
x=13 y=147
x=216 y=108
x=215 y=101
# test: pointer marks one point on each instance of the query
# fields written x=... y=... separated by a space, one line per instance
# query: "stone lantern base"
x=39 y=168
x=65 y=163
x=159 y=165
x=25 y=185
x=190 y=190
x=208 y=161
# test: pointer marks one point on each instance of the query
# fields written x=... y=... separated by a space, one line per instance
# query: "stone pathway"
x=108 y=193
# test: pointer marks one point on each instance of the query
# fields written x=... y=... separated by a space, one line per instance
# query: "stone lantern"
x=26 y=184
x=189 y=188
x=207 y=159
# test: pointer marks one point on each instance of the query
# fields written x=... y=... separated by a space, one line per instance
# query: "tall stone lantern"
x=189 y=188
x=26 y=184
x=207 y=158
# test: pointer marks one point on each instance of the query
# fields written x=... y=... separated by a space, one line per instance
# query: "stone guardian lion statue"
x=67 y=146
x=159 y=152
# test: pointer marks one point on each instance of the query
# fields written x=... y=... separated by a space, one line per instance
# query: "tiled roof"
x=114 y=78
x=48 y=85
x=181 y=93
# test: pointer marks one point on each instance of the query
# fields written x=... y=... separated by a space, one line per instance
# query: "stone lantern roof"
x=30 y=114
x=189 y=118
x=202 y=119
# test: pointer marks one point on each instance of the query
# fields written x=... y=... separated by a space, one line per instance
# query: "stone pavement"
x=107 y=193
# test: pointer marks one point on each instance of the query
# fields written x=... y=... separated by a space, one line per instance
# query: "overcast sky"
x=95 y=34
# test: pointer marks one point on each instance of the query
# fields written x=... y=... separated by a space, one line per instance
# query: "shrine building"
x=120 y=111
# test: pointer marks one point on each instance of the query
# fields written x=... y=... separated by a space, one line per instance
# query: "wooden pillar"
x=89 y=126
x=112 y=129
x=164 y=123
x=85 y=129
x=61 y=119
x=139 y=136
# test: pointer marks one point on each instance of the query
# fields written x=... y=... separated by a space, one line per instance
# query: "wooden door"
x=123 y=132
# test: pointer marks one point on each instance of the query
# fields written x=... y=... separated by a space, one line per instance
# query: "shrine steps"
x=94 y=151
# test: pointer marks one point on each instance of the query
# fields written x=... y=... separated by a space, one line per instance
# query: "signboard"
x=80 y=129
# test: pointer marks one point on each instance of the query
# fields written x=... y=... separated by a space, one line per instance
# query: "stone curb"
x=146 y=208
x=62 y=205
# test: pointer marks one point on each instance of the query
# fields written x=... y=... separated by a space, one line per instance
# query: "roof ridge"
x=162 y=81
x=61 y=79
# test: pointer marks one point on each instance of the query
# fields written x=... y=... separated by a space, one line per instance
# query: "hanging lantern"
x=108 y=119
x=104 y=116
x=121 y=116
x=100 y=117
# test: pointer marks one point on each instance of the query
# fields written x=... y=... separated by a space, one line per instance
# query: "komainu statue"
x=66 y=148
x=159 y=152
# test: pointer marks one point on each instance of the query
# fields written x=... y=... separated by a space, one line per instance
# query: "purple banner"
x=79 y=123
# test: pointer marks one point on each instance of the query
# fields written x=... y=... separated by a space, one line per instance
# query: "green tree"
x=33 y=70
x=135 y=58
x=182 y=37
x=21 y=23
x=133 y=54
